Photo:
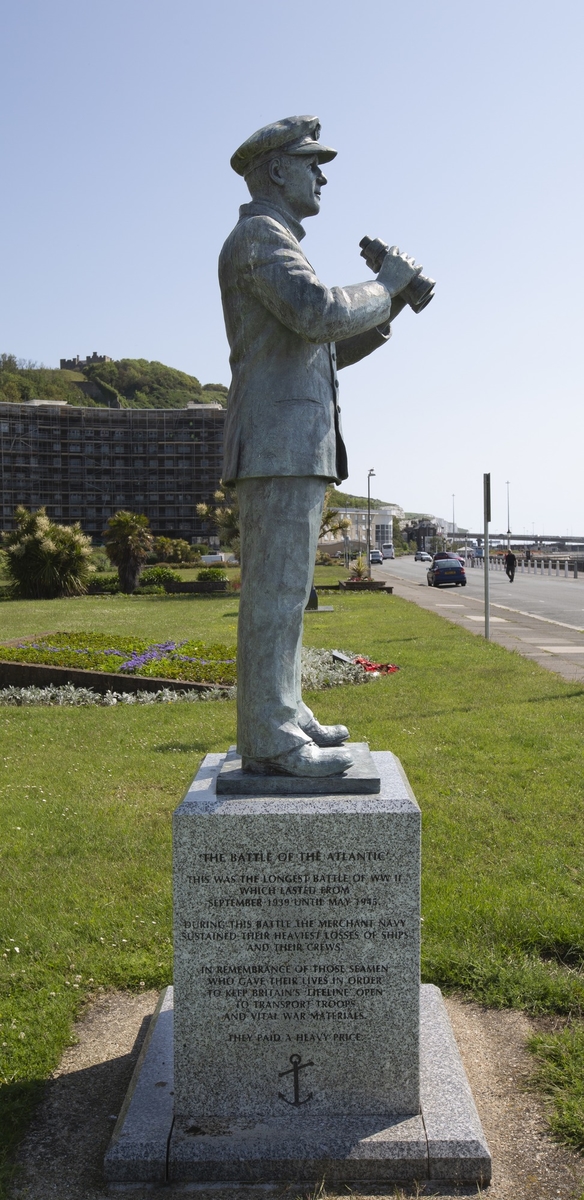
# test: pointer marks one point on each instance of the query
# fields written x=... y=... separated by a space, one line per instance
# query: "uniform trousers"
x=280 y=520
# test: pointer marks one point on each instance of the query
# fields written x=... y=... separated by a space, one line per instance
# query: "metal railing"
x=548 y=565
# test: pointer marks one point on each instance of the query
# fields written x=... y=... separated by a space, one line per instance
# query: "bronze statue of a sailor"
x=289 y=336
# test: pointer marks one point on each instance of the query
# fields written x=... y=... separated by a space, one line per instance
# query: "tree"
x=224 y=516
x=128 y=541
x=175 y=550
x=44 y=560
x=399 y=541
x=332 y=521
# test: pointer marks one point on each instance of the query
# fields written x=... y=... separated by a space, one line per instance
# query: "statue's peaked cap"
x=292 y=135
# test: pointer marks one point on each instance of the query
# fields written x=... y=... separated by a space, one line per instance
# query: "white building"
x=356 y=534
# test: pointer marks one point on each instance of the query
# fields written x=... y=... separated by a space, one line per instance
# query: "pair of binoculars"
x=419 y=291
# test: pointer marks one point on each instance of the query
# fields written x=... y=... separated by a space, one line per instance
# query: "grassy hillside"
x=143 y=384
x=20 y=381
x=130 y=383
x=345 y=500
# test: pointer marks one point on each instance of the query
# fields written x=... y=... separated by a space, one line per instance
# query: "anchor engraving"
x=297 y=1066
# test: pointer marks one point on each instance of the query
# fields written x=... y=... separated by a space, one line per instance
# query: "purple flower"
x=152 y=654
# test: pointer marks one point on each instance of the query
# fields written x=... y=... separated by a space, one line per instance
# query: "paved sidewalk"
x=555 y=645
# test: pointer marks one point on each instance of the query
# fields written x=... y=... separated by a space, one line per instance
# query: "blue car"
x=446 y=571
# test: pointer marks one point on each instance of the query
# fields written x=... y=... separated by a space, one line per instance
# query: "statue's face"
x=301 y=180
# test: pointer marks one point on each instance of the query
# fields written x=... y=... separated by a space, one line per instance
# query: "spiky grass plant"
x=45 y=561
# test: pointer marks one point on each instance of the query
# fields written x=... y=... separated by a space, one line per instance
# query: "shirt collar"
x=261 y=208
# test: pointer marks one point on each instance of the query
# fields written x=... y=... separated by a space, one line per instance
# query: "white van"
x=387 y=550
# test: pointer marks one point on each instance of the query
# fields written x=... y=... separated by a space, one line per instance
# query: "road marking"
x=562 y=649
x=450 y=606
x=494 y=620
x=534 y=616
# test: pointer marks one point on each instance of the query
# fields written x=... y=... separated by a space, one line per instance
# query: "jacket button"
x=338 y=408
x=333 y=356
x=336 y=383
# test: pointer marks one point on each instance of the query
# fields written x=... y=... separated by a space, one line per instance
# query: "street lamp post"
x=508 y=520
x=370 y=473
x=453 y=521
x=486 y=581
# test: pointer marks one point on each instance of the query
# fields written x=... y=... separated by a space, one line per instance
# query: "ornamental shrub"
x=175 y=550
x=109 y=584
x=211 y=575
x=45 y=561
x=157 y=575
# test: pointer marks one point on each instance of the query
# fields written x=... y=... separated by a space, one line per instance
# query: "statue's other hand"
x=397 y=271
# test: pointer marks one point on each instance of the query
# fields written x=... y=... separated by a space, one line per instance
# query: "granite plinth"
x=138 y=1150
x=361 y=779
x=444 y=1142
x=303 y=1045
x=297 y=936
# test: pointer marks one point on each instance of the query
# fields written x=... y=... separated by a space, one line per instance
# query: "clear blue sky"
x=459 y=131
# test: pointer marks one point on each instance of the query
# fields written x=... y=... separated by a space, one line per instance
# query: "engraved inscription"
x=287 y=941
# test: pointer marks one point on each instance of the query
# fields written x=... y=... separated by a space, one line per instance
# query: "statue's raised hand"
x=397 y=271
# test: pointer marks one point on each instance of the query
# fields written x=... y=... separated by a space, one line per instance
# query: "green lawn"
x=492 y=745
x=208 y=618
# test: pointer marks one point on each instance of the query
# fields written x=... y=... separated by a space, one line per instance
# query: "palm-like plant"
x=128 y=541
x=225 y=517
x=45 y=560
x=332 y=521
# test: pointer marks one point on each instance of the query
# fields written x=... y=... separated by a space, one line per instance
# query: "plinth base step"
x=444 y=1142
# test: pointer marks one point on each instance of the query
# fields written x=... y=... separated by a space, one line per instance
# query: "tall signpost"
x=487 y=518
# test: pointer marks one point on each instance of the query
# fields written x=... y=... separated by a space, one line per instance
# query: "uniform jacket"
x=288 y=335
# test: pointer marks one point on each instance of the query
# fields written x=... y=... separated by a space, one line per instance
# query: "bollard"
x=549 y=566
x=557 y=567
x=565 y=568
x=522 y=572
x=575 y=568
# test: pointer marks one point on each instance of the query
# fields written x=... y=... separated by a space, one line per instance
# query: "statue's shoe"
x=308 y=760
x=326 y=735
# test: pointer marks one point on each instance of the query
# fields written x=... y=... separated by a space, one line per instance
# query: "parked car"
x=449 y=554
x=422 y=556
x=446 y=571
x=375 y=556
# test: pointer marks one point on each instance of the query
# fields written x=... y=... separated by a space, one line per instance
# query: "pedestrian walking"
x=510 y=565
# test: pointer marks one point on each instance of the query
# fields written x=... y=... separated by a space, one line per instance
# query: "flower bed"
x=104 y=663
x=191 y=661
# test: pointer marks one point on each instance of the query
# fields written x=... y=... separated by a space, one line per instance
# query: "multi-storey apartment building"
x=83 y=464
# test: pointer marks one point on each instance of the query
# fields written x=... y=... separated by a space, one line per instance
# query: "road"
x=541 y=617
